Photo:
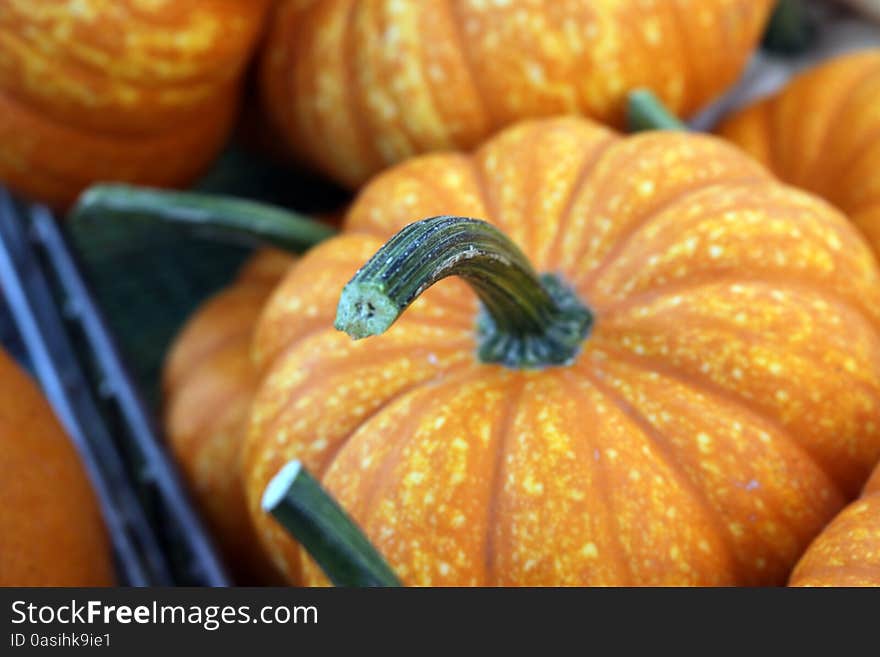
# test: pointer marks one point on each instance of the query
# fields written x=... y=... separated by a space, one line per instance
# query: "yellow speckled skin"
x=847 y=552
x=822 y=133
x=133 y=90
x=356 y=85
x=724 y=407
x=208 y=385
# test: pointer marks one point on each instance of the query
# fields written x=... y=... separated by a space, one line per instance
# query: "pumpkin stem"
x=791 y=29
x=644 y=111
x=297 y=501
x=528 y=321
x=235 y=219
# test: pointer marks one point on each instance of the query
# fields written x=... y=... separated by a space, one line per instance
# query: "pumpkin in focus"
x=724 y=406
x=122 y=90
x=822 y=133
x=847 y=552
x=357 y=85
x=53 y=533
x=208 y=385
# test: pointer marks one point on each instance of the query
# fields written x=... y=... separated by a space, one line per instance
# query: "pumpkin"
x=208 y=385
x=723 y=407
x=356 y=85
x=53 y=533
x=118 y=89
x=822 y=133
x=847 y=552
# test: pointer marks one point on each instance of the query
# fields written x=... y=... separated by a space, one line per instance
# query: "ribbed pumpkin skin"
x=208 y=384
x=356 y=85
x=724 y=407
x=847 y=552
x=822 y=133
x=132 y=90
x=52 y=532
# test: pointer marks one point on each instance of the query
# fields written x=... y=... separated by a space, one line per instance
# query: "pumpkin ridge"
x=776 y=125
x=819 y=177
x=602 y=484
x=414 y=387
x=769 y=126
x=353 y=89
x=588 y=279
x=493 y=214
x=423 y=142
x=624 y=276
x=765 y=115
x=581 y=177
x=422 y=400
x=863 y=206
x=255 y=468
x=687 y=58
x=712 y=390
x=769 y=279
x=496 y=483
x=381 y=127
x=443 y=126
x=270 y=422
x=266 y=365
x=288 y=119
x=530 y=187
x=467 y=56
x=852 y=160
x=654 y=436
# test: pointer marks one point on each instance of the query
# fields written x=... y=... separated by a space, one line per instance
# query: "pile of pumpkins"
x=710 y=429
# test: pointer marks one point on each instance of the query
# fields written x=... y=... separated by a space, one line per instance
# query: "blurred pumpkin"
x=208 y=385
x=822 y=133
x=356 y=85
x=117 y=89
x=53 y=533
x=724 y=406
x=847 y=552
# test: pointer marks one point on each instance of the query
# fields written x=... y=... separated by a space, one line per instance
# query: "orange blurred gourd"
x=356 y=85
x=123 y=90
x=724 y=406
x=822 y=133
x=52 y=532
x=847 y=552
x=208 y=385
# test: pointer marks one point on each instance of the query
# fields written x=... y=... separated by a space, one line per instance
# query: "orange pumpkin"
x=208 y=385
x=53 y=534
x=725 y=404
x=822 y=133
x=117 y=89
x=356 y=85
x=847 y=552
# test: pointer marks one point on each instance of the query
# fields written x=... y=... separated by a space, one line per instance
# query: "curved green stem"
x=529 y=321
x=223 y=216
x=297 y=501
x=644 y=111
